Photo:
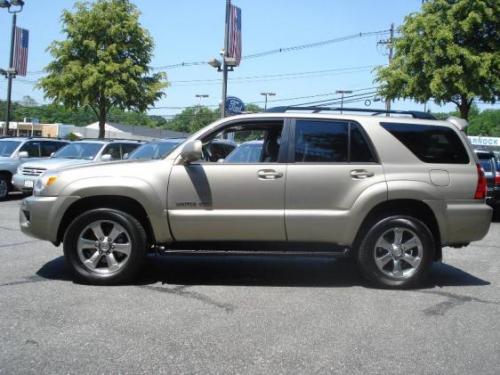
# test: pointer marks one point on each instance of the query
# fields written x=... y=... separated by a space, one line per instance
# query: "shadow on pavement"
x=15 y=196
x=257 y=270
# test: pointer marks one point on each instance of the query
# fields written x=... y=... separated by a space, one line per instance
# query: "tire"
x=105 y=247
x=396 y=252
x=4 y=187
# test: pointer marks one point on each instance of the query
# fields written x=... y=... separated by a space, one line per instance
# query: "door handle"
x=360 y=174
x=268 y=174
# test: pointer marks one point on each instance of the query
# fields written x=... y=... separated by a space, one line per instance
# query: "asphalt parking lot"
x=245 y=314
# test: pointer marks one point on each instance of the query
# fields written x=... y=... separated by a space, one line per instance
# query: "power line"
x=281 y=50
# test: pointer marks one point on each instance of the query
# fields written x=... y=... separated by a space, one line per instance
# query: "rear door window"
x=430 y=143
x=331 y=142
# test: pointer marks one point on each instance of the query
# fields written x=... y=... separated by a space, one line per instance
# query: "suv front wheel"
x=396 y=252
x=105 y=246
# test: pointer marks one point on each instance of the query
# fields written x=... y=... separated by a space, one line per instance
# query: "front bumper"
x=40 y=216
x=24 y=183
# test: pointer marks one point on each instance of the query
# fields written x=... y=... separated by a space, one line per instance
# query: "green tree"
x=449 y=52
x=253 y=108
x=192 y=119
x=104 y=61
x=486 y=123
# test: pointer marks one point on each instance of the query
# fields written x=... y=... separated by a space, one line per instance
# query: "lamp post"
x=342 y=93
x=14 y=7
x=266 y=94
x=201 y=96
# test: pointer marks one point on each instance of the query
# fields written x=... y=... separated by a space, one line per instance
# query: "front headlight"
x=44 y=181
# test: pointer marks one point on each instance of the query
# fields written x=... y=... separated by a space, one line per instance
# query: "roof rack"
x=374 y=112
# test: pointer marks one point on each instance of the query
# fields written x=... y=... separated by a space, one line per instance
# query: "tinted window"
x=487 y=164
x=360 y=150
x=32 y=148
x=321 y=141
x=49 y=147
x=431 y=144
x=127 y=148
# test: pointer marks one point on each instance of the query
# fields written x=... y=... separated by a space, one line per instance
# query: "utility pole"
x=390 y=45
x=342 y=93
x=224 y=62
x=266 y=94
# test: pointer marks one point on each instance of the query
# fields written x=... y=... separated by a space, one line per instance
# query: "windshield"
x=246 y=153
x=154 y=151
x=8 y=147
x=79 y=150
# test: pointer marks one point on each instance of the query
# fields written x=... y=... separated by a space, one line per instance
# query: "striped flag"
x=234 y=48
x=21 y=51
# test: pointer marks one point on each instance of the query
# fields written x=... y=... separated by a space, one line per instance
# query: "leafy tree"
x=253 y=108
x=487 y=123
x=104 y=61
x=449 y=52
x=192 y=119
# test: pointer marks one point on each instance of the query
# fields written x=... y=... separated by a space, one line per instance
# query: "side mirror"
x=52 y=154
x=125 y=156
x=23 y=155
x=106 y=157
x=220 y=161
x=191 y=151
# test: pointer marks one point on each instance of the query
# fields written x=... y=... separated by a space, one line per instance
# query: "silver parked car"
x=390 y=192
x=155 y=150
x=17 y=150
x=75 y=153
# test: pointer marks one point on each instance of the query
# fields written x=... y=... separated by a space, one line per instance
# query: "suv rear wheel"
x=397 y=251
x=105 y=246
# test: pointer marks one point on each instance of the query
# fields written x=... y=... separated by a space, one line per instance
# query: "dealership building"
x=111 y=130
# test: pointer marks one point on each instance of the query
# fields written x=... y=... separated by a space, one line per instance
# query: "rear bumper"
x=467 y=222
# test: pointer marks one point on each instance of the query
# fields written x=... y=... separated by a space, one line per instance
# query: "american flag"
x=21 y=51
x=234 y=48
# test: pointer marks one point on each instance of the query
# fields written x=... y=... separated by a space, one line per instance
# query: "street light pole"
x=201 y=96
x=266 y=94
x=342 y=93
x=10 y=73
x=224 y=64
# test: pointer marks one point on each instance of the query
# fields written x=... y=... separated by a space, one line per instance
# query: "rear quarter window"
x=430 y=143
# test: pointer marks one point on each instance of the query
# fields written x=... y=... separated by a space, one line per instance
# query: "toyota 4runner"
x=389 y=191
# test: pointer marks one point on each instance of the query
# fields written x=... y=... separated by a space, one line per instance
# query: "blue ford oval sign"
x=234 y=105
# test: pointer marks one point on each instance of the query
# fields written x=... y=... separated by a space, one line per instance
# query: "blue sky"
x=193 y=30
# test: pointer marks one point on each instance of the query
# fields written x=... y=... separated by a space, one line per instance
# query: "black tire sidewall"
x=136 y=258
x=7 y=183
x=366 y=259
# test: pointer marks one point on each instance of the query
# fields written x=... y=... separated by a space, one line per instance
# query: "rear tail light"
x=482 y=186
x=497 y=178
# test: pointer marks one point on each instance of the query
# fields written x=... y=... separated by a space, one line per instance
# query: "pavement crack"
x=182 y=292
x=17 y=243
x=453 y=300
x=11 y=229
x=27 y=280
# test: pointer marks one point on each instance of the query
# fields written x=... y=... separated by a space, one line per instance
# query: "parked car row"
x=24 y=160
x=490 y=162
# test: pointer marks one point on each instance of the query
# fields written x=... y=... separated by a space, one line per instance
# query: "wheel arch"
x=410 y=207
x=117 y=202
